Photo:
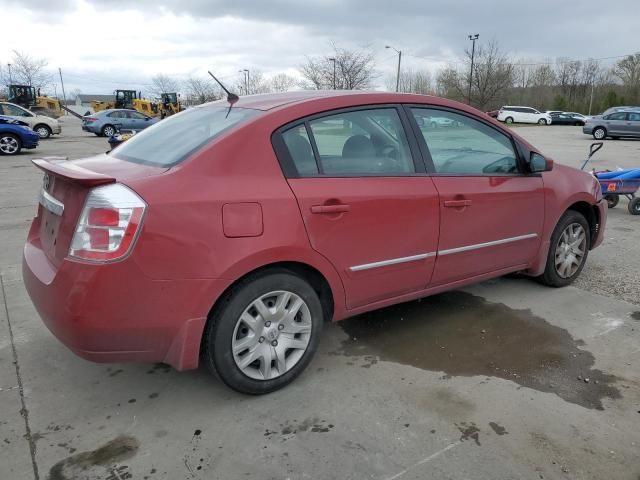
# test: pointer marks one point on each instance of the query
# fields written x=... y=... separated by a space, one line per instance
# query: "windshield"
x=172 y=140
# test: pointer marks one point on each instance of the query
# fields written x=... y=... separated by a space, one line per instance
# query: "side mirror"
x=147 y=118
x=537 y=163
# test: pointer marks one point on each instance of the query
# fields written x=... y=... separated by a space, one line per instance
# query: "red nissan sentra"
x=231 y=232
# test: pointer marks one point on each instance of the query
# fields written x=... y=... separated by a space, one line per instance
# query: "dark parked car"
x=230 y=233
x=615 y=125
x=16 y=135
x=565 y=119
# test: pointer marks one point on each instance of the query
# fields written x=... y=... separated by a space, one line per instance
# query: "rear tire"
x=599 y=133
x=253 y=321
x=542 y=121
x=634 y=206
x=508 y=120
x=567 y=252
x=10 y=144
x=612 y=200
x=108 y=130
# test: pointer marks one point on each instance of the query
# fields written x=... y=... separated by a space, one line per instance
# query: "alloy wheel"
x=570 y=250
x=271 y=335
x=42 y=132
x=8 y=145
x=109 y=131
x=599 y=134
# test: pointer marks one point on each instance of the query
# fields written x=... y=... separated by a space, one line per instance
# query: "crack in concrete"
x=24 y=412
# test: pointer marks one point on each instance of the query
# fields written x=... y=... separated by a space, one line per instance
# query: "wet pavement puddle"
x=462 y=334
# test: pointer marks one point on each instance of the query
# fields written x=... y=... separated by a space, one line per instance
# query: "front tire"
x=10 y=144
x=264 y=332
x=43 y=131
x=599 y=133
x=508 y=120
x=568 y=250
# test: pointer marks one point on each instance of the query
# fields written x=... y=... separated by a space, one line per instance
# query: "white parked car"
x=516 y=114
x=44 y=126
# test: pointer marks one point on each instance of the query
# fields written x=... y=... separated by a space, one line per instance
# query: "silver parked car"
x=614 y=125
x=107 y=122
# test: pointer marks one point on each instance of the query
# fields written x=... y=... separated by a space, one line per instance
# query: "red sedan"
x=232 y=232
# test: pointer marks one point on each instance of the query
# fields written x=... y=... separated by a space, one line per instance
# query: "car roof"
x=270 y=101
x=109 y=110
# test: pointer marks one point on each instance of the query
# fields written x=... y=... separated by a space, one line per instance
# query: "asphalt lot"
x=504 y=380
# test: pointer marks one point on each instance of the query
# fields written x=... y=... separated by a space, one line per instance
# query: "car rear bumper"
x=587 y=129
x=89 y=128
x=114 y=313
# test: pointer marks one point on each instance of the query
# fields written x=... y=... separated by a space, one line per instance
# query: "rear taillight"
x=90 y=119
x=108 y=225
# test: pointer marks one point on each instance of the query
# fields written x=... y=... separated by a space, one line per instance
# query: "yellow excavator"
x=169 y=104
x=28 y=97
x=128 y=99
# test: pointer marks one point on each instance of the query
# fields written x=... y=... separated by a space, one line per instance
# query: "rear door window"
x=469 y=147
x=352 y=143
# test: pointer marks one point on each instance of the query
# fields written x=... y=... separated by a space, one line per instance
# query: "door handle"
x=340 y=208
x=457 y=203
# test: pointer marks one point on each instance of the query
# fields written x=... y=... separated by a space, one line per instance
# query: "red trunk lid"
x=66 y=184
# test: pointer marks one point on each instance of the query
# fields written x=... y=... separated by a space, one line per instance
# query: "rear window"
x=172 y=140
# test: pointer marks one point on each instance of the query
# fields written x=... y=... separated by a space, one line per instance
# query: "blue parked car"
x=106 y=123
x=16 y=135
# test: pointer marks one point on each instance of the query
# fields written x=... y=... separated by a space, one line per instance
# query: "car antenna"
x=231 y=97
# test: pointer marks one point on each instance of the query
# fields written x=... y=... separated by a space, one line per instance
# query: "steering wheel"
x=389 y=151
x=504 y=165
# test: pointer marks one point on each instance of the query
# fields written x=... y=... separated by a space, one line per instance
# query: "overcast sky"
x=103 y=45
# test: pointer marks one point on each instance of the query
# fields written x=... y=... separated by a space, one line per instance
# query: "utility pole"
x=10 y=79
x=334 y=71
x=248 y=82
x=473 y=38
x=244 y=76
x=64 y=96
x=399 y=60
x=591 y=99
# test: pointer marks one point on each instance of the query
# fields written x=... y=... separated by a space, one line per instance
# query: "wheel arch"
x=312 y=275
x=592 y=215
x=41 y=124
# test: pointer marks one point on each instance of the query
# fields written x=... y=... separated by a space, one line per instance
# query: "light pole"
x=64 y=96
x=10 y=79
x=399 y=60
x=245 y=72
x=473 y=38
x=332 y=59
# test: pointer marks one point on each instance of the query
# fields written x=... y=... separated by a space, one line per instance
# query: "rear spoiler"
x=62 y=167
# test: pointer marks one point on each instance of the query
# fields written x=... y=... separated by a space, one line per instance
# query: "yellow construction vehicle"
x=26 y=96
x=169 y=104
x=128 y=99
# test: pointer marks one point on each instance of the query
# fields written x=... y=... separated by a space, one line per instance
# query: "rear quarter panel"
x=183 y=237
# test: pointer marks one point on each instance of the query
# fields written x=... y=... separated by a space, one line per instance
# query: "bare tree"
x=26 y=70
x=281 y=82
x=354 y=70
x=162 y=83
x=493 y=78
x=412 y=82
x=628 y=71
x=492 y=75
x=201 y=90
